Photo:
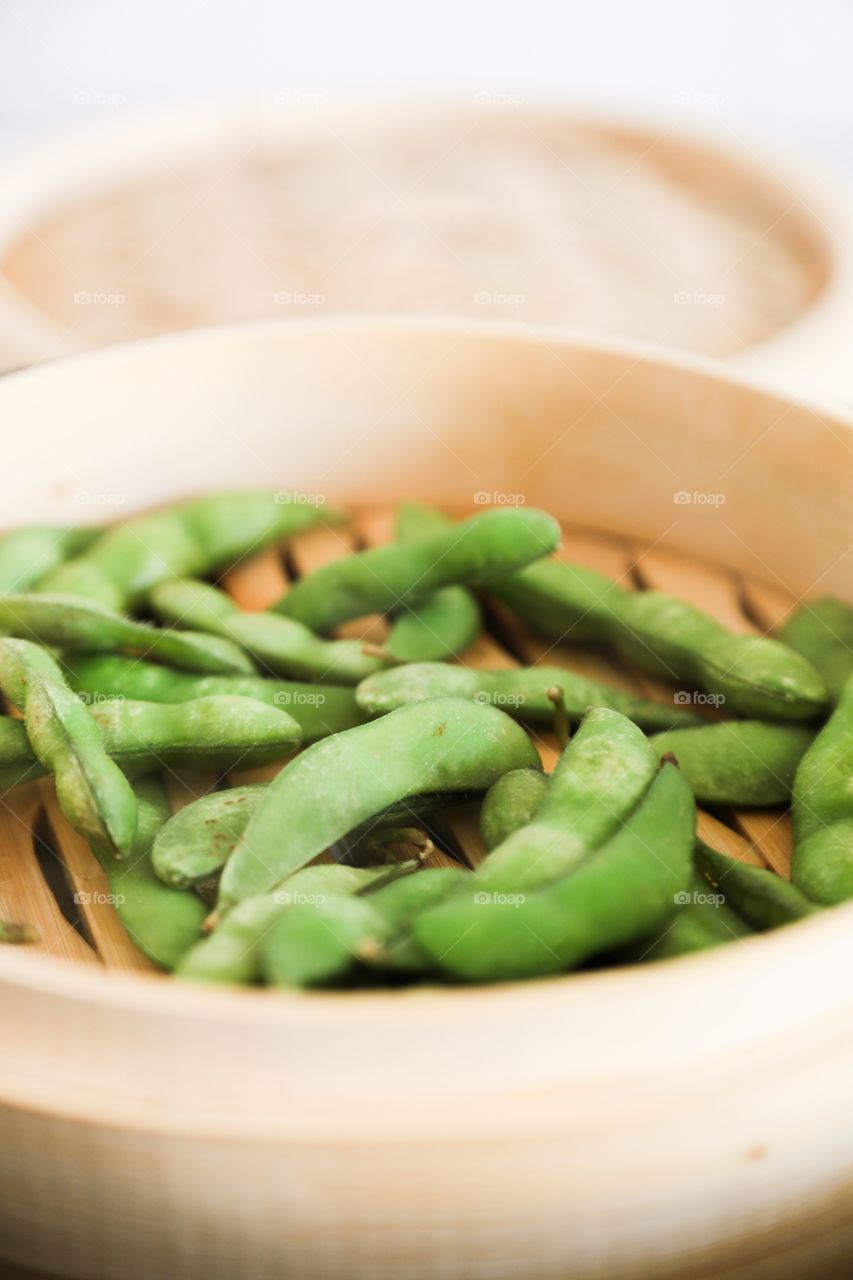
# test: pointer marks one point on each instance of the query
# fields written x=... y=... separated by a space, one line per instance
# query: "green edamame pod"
x=617 y=896
x=91 y=790
x=27 y=554
x=163 y=922
x=522 y=692
x=69 y=623
x=443 y=745
x=822 y=861
x=823 y=632
x=279 y=644
x=703 y=919
x=751 y=675
x=313 y=944
x=762 y=898
x=193 y=846
x=231 y=952
x=510 y=803
x=190 y=539
x=389 y=578
x=218 y=732
x=319 y=709
x=599 y=779
x=738 y=762
x=442 y=624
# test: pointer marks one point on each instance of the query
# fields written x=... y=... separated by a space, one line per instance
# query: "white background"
x=776 y=69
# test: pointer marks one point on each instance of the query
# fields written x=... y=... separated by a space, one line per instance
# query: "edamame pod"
x=442 y=624
x=443 y=745
x=618 y=895
x=163 y=922
x=703 y=919
x=762 y=898
x=193 y=846
x=738 y=762
x=279 y=644
x=510 y=803
x=822 y=860
x=319 y=709
x=27 y=554
x=598 y=781
x=190 y=539
x=231 y=952
x=218 y=732
x=522 y=692
x=314 y=944
x=68 y=623
x=823 y=633
x=92 y=792
x=750 y=675
x=388 y=578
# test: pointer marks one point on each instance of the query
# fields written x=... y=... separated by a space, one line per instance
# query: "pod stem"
x=560 y=723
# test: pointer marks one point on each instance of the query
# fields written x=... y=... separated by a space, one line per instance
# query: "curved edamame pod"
x=822 y=860
x=617 y=896
x=319 y=709
x=388 y=578
x=218 y=732
x=189 y=539
x=69 y=623
x=193 y=846
x=510 y=803
x=598 y=781
x=442 y=624
x=762 y=898
x=738 y=762
x=92 y=792
x=313 y=944
x=443 y=745
x=163 y=922
x=231 y=952
x=751 y=675
x=522 y=692
x=280 y=644
x=703 y=920
x=29 y=553
x=823 y=633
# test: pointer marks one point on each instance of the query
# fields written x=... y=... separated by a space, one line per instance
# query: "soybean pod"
x=822 y=860
x=510 y=803
x=762 y=898
x=738 y=762
x=28 y=554
x=822 y=631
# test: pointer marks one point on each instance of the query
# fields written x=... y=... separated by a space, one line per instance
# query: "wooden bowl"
x=689 y=1118
x=296 y=206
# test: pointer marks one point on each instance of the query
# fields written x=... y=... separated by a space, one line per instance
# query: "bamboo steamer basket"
x=231 y=242
x=689 y=1118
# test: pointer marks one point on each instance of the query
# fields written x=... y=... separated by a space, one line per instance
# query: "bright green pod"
x=522 y=692
x=562 y=601
x=189 y=539
x=333 y=786
x=615 y=897
x=92 y=792
x=822 y=860
x=703 y=920
x=743 y=763
x=28 y=554
x=318 y=709
x=762 y=898
x=386 y=579
x=280 y=645
x=822 y=632
x=68 y=623
x=193 y=846
x=510 y=803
